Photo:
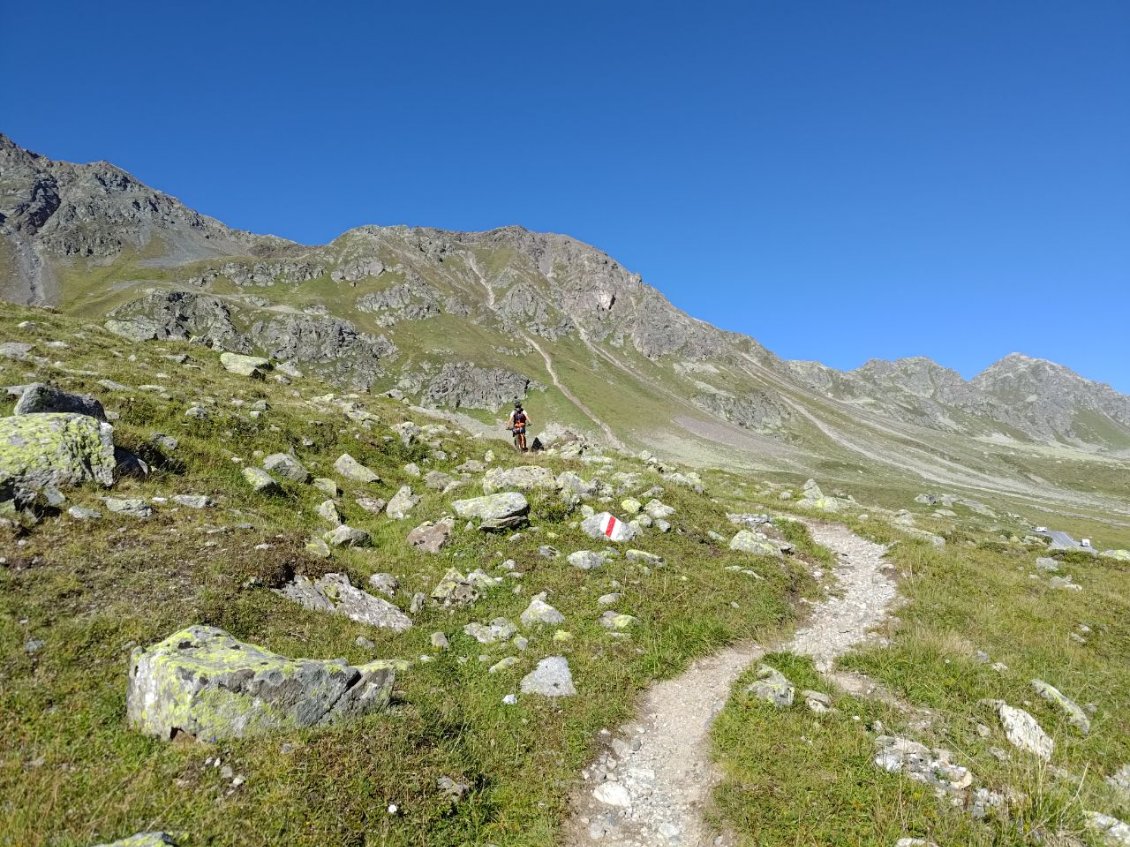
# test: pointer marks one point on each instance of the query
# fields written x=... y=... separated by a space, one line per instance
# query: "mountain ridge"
x=468 y=320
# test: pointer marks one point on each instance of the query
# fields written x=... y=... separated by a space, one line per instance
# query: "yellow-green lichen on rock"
x=203 y=682
x=55 y=450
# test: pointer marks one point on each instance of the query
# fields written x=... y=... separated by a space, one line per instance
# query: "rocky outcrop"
x=39 y=398
x=203 y=683
x=756 y=410
x=179 y=316
x=464 y=385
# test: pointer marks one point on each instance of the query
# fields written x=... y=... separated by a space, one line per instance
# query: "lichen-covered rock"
x=755 y=544
x=551 y=678
x=431 y=538
x=334 y=593
x=260 y=481
x=132 y=506
x=286 y=466
x=402 y=502
x=522 y=478
x=252 y=366
x=644 y=558
x=350 y=468
x=540 y=613
x=1075 y=715
x=347 y=536
x=772 y=686
x=144 y=839
x=57 y=450
x=493 y=507
x=204 y=683
x=1117 y=555
x=498 y=629
x=40 y=398
x=455 y=590
x=617 y=621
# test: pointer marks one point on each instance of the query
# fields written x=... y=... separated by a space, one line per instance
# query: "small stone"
x=260 y=481
x=613 y=794
x=439 y=641
x=551 y=678
x=193 y=501
x=402 y=502
x=352 y=469
x=133 y=507
x=586 y=560
x=540 y=613
x=286 y=466
x=327 y=486
x=503 y=664
x=82 y=513
x=347 y=536
x=327 y=511
x=1024 y=732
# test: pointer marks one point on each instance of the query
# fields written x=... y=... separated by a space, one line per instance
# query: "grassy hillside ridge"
x=91 y=591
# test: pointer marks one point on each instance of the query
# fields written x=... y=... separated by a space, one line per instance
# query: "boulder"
x=286 y=466
x=551 y=678
x=658 y=510
x=755 y=544
x=39 y=398
x=385 y=583
x=1047 y=564
x=402 y=502
x=327 y=486
x=493 y=507
x=607 y=526
x=438 y=480
x=373 y=505
x=431 y=538
x=347 y=536
x=585 y=560
x=455 y=590
x=327 y=511
x=351 y=469
x=1024 y=731
x=773 y=687
x=260 y=481
x=540 y=613
x=334 y=593
x=522 y=478
x=58 y=450
x=252 y=366
x=192 y=501
x=617 y=621
x=203 y=683
x=1075 y=715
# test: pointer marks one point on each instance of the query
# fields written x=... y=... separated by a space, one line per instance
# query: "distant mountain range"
x=468 y=321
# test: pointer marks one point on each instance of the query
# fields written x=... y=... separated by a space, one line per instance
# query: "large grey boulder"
x=286 y=466
x=57 y=450
x=493 y=507
x=523 y=478
x=350 y=468
x=334 y=593
x=203 y=683
x=551 y=678
x=39 y=397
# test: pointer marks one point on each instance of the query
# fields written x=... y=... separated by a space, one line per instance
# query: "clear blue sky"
x=841 y=180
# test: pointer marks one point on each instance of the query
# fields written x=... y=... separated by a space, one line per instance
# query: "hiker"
x=517 y=424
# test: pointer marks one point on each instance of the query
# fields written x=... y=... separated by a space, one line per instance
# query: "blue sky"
x=841 y=180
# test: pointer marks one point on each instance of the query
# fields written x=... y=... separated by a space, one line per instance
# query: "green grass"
x=73 y=773
x=798 y=778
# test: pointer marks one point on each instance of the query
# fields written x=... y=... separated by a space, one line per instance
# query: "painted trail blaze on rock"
x=203 y=682
x=607 y=525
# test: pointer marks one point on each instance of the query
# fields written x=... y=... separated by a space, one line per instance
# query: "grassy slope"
x=72 y=773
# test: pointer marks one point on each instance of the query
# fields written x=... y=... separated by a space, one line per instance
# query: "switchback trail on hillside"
x=651 y=785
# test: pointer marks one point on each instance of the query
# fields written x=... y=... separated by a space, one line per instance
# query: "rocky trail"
x=653 y=782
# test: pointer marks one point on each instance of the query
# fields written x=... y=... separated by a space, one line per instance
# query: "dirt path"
x=650 y=786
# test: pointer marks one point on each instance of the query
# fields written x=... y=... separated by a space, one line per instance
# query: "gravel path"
x=650 y=785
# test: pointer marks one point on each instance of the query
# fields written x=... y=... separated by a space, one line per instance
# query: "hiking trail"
x=651 y=786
